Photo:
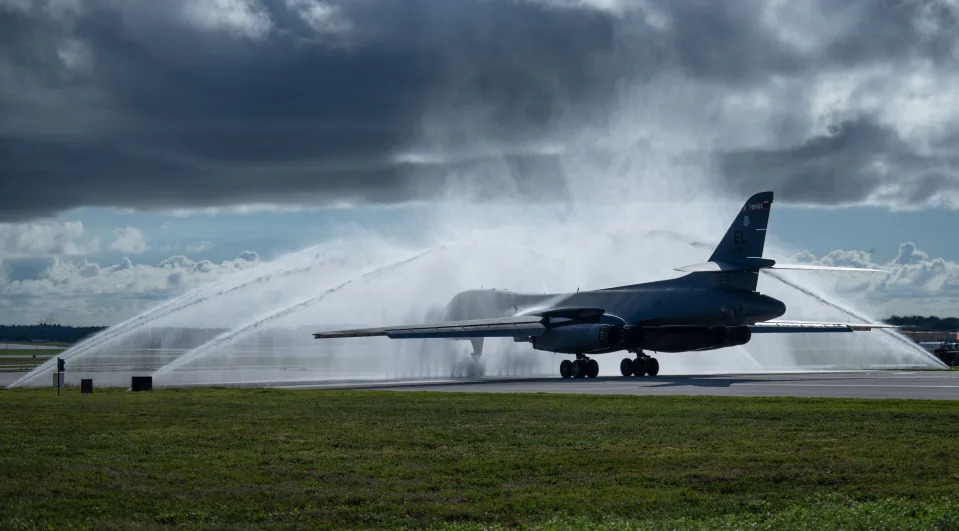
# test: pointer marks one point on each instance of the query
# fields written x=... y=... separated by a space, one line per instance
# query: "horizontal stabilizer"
x=520 y=326
x=786 y=327
x=755 y=264
x=811 y=267
x=716 y=267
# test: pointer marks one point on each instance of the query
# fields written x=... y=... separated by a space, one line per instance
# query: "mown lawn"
x=270 y=458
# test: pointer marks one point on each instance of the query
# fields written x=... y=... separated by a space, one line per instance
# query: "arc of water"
x=169 y=309
x=911 y=345
x=191 y=298
x=237 y=332
x=847 y=311
x=103 y=336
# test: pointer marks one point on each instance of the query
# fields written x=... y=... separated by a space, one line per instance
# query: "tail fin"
x=747 y=235
x=738 y=258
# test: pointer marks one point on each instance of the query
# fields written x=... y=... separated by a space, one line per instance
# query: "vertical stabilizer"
x=747 y=235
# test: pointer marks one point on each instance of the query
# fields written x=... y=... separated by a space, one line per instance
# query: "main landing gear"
x=641 y=366
x=473 y=367
x=582 y=367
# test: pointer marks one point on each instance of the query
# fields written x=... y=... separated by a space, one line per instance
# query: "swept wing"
x=525 y=325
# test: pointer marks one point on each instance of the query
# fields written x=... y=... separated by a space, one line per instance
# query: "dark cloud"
x=191 y=118
x=179 y=104
x=857 y=160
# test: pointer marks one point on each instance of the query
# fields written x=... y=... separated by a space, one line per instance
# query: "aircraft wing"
x=524 y=325
x=786 y=327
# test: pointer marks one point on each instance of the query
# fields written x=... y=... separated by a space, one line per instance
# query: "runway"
x=27 y=346
x=942 y=385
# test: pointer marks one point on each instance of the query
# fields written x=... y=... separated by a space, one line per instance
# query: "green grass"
x=269 y=458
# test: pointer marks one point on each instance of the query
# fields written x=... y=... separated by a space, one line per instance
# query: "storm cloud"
x=203 y=103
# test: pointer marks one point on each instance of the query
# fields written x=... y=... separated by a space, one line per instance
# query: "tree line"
x=47 y=332
x=923 y=323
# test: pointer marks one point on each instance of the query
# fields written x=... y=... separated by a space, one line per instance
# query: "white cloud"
x=914 y=284
x=80 y=291
x=76 y=56
x=129 y=240
x=199 y=247
x=608 y=6
x=51 y=238
x=241 y=18
x=320 y=16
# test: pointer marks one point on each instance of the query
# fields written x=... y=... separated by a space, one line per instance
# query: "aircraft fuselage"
x=667 y=316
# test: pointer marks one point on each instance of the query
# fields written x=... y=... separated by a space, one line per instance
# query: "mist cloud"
x=308 y=102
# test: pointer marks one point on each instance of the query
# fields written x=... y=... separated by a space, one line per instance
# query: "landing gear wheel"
x=639 y=367
x=566 y=369
x=626 y=367
x=579 y=369
x=592 y=368
x=652 y=367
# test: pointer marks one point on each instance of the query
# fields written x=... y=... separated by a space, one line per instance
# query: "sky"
x=150 y=147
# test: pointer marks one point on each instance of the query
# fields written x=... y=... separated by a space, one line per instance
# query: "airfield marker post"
x=61 y=368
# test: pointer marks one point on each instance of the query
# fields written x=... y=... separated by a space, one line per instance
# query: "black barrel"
x=86 y=386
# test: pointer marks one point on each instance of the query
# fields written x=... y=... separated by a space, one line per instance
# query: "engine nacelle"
x=580 y=338
x=687 y=338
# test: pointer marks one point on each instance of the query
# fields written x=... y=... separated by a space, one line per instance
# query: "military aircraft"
x=716 y=305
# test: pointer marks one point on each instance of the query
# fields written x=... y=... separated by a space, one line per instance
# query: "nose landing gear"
x=582 y=367
x=641 y=366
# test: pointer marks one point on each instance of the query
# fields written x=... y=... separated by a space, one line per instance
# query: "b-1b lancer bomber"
x=716 y=305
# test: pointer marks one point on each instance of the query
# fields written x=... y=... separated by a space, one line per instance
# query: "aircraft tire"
x=592 y=368
x=626 y=367
x=652 y=366
x=566 y=369
x=639 y=367
x=579 y=369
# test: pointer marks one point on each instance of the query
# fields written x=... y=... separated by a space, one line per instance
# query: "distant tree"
x=919 y=322
x=47 y=332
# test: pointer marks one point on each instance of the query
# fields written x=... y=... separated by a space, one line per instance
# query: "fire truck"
x=948 y=352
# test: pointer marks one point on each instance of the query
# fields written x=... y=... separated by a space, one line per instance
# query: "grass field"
x=269 y=458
